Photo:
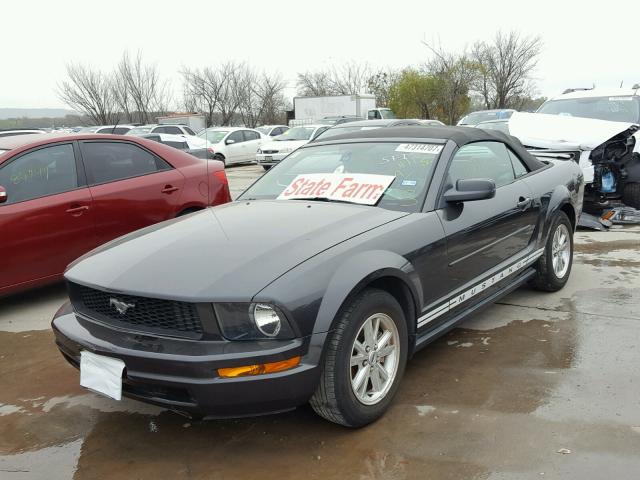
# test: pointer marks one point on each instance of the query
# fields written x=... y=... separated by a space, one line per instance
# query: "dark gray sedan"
x=325 y=276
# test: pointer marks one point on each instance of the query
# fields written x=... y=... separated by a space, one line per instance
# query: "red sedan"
x=61 y=196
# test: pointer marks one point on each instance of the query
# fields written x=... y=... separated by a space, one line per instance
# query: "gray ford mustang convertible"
x=326 y=275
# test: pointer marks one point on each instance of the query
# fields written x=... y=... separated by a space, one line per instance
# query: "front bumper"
x=181 y=375
x=269 y=158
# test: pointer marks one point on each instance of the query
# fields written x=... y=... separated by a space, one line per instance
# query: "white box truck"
x=194 y=120
x=314 y=109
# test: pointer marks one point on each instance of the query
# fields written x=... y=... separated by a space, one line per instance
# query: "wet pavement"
x=501 y=397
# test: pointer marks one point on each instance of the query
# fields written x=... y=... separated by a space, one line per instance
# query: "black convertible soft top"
x=459 y=135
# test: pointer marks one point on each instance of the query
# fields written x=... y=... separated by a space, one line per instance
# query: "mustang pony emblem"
x=120 y=306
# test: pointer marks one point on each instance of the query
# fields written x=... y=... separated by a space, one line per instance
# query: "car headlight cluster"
x=252 y=321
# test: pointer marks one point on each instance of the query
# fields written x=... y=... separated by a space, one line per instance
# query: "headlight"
x=252 y=321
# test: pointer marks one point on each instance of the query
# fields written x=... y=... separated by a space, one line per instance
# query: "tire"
x=220 y=157
x=631 y=195
x=548 y=278
x=266 y=167
x=335 y=398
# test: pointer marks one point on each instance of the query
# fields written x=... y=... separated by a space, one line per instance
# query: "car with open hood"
x=605 y=150
x=323 y=278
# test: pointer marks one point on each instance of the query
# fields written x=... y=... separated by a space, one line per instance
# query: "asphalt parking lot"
x=537 y=386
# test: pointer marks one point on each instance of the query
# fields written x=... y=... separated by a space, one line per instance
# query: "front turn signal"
x=259 y=369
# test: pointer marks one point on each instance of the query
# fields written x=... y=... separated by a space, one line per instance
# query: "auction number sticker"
x=431 y=148
x=346 y=187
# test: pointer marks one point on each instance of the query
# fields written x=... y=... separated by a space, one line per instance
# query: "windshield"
x=616 y=109
x=263 y=130
x=410 y=165
x=387 y=113
x=500 y=126
x=213 y=136
x=139 y=130
x=88 y=129
x=335 y=131
x=477 y=117
x=296 y=133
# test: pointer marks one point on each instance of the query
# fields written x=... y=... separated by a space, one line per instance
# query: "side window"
x=482 y=160
x=178 y=145
x=111 y=161
x=519 y=168
x=319 y=131
x=160 y=130
x=173 y=130
x=249 y=135
x=236 y=136
x=189 y=131
x=40 y=173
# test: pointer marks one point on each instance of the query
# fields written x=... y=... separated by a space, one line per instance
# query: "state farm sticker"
x=345 y=187
x=431 y=148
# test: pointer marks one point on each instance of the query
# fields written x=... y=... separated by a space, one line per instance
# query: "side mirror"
x=471 y=189
x=3 y=195
x=230 y=142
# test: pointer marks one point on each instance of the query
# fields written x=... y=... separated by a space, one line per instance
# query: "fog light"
x=266 y=319
x=259 y=369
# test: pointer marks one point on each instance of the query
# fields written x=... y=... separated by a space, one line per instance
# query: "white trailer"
x=193 y=120
x=313 y=109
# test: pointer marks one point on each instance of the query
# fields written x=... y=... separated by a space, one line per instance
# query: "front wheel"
x=364 y=362
x=220 y=157
x=554 y=267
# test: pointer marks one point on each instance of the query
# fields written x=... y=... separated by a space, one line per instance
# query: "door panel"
x=483 y=233
x=47 y=221
x=127 y=204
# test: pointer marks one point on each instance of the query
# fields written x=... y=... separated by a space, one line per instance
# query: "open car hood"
x=541 y=130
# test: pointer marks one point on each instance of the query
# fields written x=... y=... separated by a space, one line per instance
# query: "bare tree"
x=142 y=93
x=455 y=74
x=347 y=79
x=315 y=84
x=505 y=67
x=380 y=83
x=90 y=92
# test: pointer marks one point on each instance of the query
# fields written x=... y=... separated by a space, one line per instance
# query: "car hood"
x=541 y=130
x=226 y=253
x=275 y=145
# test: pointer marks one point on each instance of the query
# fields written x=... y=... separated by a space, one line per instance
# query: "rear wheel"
x=266 y=167
x=364 y=362
x=554 y=267
x=631 y=195
x=220 y=157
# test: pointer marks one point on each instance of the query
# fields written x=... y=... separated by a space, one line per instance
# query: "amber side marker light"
x=259 y=369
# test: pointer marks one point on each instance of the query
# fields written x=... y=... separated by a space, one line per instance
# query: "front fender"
x=357 y=272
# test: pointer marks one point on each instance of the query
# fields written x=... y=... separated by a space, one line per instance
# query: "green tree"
x=415 y=95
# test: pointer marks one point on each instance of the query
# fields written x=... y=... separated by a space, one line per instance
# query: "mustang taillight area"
x=259 y=369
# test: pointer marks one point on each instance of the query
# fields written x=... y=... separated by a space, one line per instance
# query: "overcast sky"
x=583 y=44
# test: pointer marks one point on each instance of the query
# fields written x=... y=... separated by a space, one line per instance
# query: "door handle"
x=169 y=189
x=523 y=203
x=77 y=210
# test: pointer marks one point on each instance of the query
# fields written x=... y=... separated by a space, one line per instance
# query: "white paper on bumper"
x=101 y=374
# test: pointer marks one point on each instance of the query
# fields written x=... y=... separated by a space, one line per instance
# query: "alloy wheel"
x=375 y=356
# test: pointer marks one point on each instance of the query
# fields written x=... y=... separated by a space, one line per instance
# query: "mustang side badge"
x=120 y=306
x=345 y=187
